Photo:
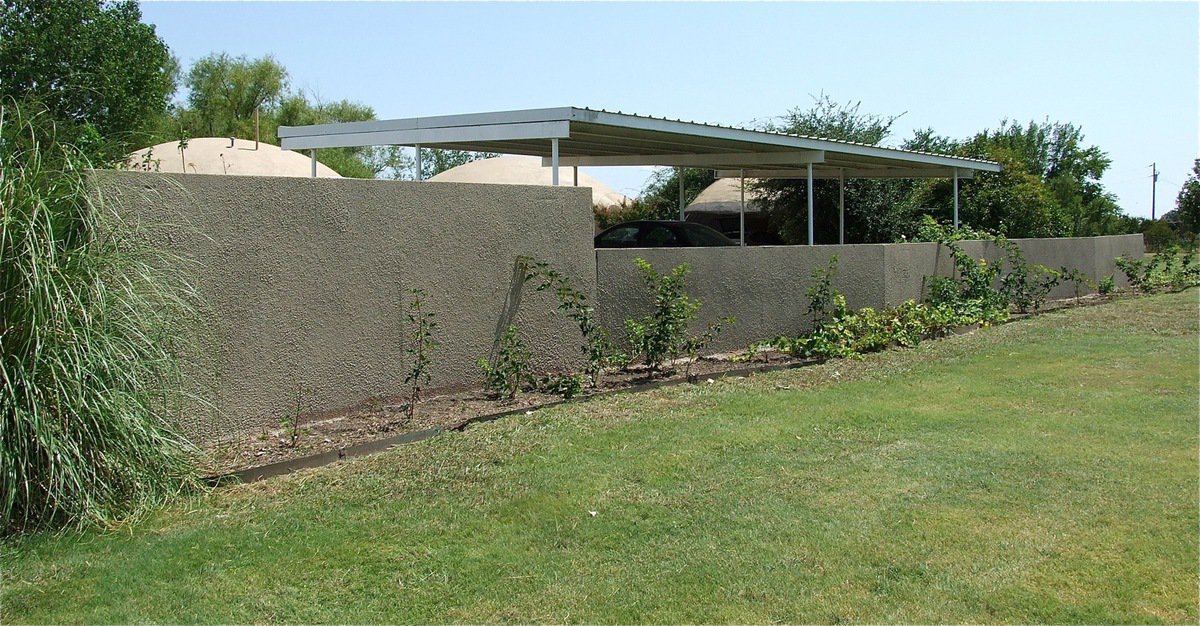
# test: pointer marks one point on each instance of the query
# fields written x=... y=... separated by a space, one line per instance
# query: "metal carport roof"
x=588 y=137
x=572 y=136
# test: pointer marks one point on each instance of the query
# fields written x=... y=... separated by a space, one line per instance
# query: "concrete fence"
x=303 y=282
x=763 y=287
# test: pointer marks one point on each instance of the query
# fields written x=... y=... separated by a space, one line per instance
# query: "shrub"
x=1171 y=269
x=91 y=328
x=824 y=302
x=662 y=334
x=1082 y=281
x=1025 y=285
x=509 y=372
x=1107 y=285
x=971 y=295
x=598 y=350
x=421 y=343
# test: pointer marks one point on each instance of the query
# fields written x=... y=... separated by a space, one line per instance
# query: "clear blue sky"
x=1126 y=73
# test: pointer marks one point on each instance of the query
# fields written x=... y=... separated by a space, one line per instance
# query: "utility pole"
x=1153 y=189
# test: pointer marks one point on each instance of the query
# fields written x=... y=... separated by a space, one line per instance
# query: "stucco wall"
x=304 y=281
x=763 y=287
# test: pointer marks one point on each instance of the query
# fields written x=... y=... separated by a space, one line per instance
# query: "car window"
x=657 y=235
x=622 y=236
x=700 y=236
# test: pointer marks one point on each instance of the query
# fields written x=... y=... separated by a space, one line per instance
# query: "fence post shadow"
x=512 y=302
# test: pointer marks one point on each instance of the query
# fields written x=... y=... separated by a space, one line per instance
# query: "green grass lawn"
x=1041 y=471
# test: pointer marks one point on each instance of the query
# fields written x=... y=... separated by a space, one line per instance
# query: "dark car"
x=661 y=234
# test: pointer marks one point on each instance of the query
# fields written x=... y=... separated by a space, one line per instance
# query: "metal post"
x=312 y=154
x=420 y=176
x=810 y=205
x=1153 y=190
x=679 y=175
x=575 y=174
x=956 y=197
x=742 y=212
x=554 y=161
x=842 y=206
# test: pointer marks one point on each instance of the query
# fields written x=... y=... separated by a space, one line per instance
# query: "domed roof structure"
x=522 y=170
x=724 y=196
x=214 y=155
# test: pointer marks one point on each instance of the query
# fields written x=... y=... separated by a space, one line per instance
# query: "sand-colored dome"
x=725 y=196
x=523 y=170
x=213 y=155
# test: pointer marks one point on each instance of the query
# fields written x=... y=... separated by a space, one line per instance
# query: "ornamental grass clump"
x=90 y=330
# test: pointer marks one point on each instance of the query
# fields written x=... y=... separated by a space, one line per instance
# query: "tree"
x=100 y=73
x=659 y=199
x=1188 y=201
x=1055 y=153
x=224 y=93
x=876 y=210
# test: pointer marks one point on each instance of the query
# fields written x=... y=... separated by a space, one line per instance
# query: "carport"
x=574 y=137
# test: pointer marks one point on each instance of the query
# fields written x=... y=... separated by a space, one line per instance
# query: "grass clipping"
x=89 y=342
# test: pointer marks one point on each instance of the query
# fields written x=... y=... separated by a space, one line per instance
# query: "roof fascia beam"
x=944 y=172
x=438 y=121
x=430 y=136
x=798 y=157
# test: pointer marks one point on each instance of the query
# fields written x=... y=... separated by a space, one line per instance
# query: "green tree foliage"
x=876 y=210
x=659 y=200
x=1053 y=153
x=1049 y=186
x=102 y=75
x=224 y=92
x=1187 y=203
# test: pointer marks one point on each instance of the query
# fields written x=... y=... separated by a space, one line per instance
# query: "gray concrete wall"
x=304 y=281
x=763 y=287
x=910 y=265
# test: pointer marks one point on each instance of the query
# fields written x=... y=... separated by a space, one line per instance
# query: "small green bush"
x=598 y=350
x=1107 y=285
x=509 y=373
x=1172 y=269
x=662 y=335
x=422 y=323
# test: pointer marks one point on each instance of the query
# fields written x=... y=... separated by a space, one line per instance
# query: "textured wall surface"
x=304 y=280
x=763 y=287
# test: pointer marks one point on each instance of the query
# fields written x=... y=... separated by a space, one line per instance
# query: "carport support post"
x=554 y=161
x=312 y=155
x=418 y=161
x=575 y=175
x=810 y=205
x=842 y=206
x=742 y=211
x=956 y=198
x=679 y=175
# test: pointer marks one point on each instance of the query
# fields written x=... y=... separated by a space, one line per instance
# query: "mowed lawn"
x=1041 y=471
